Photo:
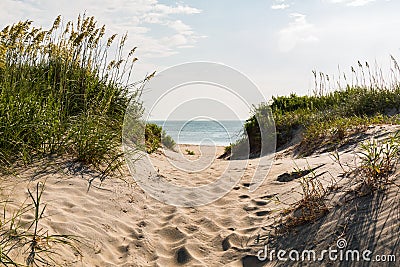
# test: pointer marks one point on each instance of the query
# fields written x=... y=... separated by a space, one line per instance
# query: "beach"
x=104 y=162
x=118 y=224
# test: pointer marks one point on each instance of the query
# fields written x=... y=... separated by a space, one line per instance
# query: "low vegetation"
x=328 y=117
x=189 y=152
x=311 y=206
x=379 y=159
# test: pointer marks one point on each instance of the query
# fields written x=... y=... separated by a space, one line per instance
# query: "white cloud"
x=353 y=2
x=176 y=10
x=179 y=26
x=279 y=6
x=299 y=31
x=120 y=16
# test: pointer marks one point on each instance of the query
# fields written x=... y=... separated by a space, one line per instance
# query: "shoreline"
x=187 y=144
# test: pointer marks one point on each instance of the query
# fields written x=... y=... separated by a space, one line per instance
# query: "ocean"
x=205 y=132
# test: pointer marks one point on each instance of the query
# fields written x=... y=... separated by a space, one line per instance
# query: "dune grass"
x=379 y=160
x=312 y=204
x=64 y=91
x=326 y=118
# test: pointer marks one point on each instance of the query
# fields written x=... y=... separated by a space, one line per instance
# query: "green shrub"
x=156 y=137
x=153 y=137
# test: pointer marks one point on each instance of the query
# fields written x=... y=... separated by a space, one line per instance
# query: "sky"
x=275 y=43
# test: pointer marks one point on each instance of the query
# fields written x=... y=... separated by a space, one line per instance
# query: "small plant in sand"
x=312 y=204
x=379 y=159
x=189 y=152
x=29 y=238
x=335 y=156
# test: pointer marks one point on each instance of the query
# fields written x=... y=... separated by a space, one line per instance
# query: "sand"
x=121 y=225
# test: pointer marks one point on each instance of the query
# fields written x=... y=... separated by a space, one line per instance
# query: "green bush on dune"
x=61 y=94
x=156 y=137
x=152 y=137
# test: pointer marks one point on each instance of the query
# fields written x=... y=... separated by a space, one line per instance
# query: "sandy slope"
x=120 y=225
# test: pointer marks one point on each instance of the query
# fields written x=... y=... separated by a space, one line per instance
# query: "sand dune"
x=121 y=225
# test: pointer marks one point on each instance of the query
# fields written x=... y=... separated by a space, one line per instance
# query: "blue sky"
x=276 y=43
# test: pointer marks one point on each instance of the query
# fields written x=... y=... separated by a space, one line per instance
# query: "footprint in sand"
x=260 y=202
x=262 y=213
x=182 y=256
x=250 y=208
x=171 y=234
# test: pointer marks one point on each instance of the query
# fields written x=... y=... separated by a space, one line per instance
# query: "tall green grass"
x=327 y=117
x=64 y=91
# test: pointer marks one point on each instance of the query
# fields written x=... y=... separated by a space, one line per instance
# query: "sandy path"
x=121 y=225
